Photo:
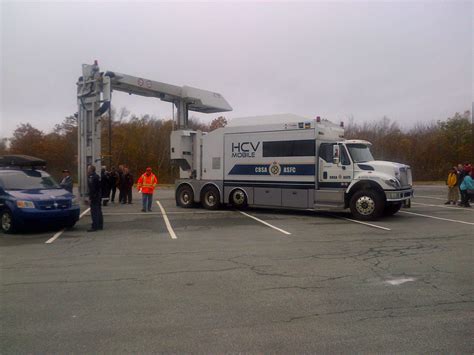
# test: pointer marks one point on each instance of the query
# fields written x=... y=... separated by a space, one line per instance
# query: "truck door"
x=335 y=173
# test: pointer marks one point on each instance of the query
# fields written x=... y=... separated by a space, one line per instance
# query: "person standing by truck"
x=467 y=187
x=128 y=186
x=452 y=182
x=105 y=185
x=120 y=184
x=113 y=181
x=95 y=199
x=146 y=185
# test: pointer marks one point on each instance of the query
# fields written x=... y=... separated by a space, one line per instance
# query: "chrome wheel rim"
x=211 y=198
x=185 y=198
x=365 y=205
x=6 y=221
x=239 y=197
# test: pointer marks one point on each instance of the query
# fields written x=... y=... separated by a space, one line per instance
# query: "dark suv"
x=30 y=197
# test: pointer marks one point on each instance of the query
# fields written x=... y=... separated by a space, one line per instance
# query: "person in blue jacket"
x=467 y=188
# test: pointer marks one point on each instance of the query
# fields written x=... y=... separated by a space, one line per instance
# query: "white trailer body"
x=289 y=162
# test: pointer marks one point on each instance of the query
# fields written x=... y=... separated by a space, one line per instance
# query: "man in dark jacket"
x=105 y=185
x=95 y=199
x=128 y=186
x=120 y=184
x=113 y=181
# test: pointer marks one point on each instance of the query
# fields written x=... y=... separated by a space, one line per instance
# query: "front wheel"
x=367 y=205
x=211 y=198
x=185 y=196
x=391 y=209
x=6 y=222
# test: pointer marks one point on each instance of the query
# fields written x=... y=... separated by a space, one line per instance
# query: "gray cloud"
x=410 y=61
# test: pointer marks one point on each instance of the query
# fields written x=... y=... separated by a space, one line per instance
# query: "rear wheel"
x=238 y=199
x=6 y=222
x=185 y=196
x=211 y=198
x=391 y=209
x=367 y=205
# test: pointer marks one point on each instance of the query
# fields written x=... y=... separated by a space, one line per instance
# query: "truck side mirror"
x=335 y=154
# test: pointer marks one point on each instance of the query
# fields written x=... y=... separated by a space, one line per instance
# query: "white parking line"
x=266 y=223
x=58 y=234
x=442 y=206
x=167 y=221
x=440 y=218
x=364 y=223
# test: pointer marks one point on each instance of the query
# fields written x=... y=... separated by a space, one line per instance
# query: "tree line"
x=142 y=141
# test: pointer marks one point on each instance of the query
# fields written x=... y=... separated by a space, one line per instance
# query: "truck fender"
x=211 y=184
x=182 y=184
x=360 y=185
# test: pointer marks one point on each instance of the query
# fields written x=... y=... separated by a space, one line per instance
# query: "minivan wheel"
x=185 y=196
x=6 y=221
x=211 y=198
x=367 y=205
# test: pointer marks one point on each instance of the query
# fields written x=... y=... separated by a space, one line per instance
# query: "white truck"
x=286 y=161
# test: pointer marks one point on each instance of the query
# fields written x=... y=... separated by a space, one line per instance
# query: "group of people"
x=103 y=188
x=116 y=179
x=460 y=181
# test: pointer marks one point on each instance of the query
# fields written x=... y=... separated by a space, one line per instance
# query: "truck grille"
x=53 y=204
x=405 y=177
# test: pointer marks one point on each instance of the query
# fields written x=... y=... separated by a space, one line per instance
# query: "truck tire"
x=238 y=199
x=6 y=222
x=391 y=209
x=211 y=199
x=185 y=196
x=367 y=205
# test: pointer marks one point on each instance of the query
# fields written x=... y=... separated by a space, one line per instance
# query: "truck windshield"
x=26 y=180
x=359 y=152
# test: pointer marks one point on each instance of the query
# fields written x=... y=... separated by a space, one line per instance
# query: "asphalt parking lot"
x=223 y=281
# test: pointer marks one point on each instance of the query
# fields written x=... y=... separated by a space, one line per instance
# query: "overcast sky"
x=411 y=61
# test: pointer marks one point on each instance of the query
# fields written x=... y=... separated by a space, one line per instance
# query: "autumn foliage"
x=431 y=149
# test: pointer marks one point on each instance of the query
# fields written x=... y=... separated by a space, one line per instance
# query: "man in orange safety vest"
x=146 y=185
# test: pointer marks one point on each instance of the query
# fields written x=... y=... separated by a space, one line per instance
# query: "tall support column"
x=182 y=113
x=89 y=127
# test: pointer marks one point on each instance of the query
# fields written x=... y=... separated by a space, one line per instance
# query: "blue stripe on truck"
x=264 y=169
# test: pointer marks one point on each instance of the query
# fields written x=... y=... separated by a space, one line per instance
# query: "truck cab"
x=347 y=168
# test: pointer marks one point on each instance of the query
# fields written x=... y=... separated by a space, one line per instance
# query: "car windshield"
x=27 y=179
x=359 y=152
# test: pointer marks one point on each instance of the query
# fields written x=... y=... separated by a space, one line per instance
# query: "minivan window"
x=27 y=179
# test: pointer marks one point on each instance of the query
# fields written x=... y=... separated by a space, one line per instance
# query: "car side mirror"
x=335 y=154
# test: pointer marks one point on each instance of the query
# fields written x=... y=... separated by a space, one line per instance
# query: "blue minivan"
x=30 y=197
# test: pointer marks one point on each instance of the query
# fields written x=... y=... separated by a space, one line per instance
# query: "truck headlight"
x=25 y=204
x=75 y=201
x=393 y=182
